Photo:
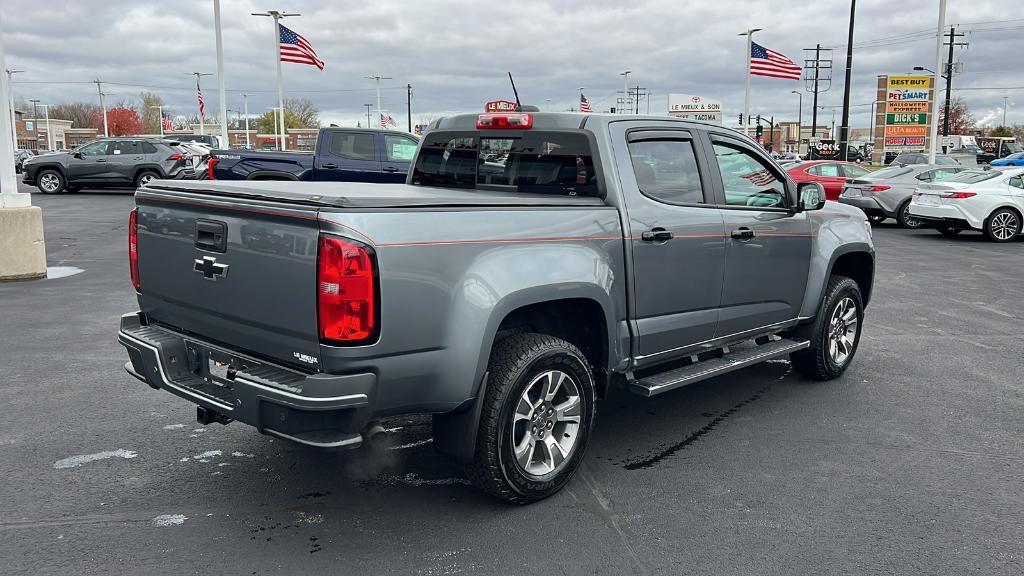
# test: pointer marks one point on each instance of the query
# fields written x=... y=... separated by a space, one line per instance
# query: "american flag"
x=767 y=62
x=295 y=48
x=585 y=104
x=386 y=120
x=202 y=105
x=760 y=178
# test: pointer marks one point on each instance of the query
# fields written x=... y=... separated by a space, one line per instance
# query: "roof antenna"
x=519 y=106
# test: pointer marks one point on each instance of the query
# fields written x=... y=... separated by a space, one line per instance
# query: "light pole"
x=1004 y=110
x=49 y=132
x=160 y=119
x=277 y=15
x=746 y=95
x=625 y=87
x=35 y=120
x=245 y=105
x=799 y=117
x=378 y=78
x=103 y=106
x=276 y=125
x=222 y=92
x=368 y=106
x=10 y=104
x=934 y=136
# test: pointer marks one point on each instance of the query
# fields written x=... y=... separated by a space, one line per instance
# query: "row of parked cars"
x=116 y=162
x=946 y=195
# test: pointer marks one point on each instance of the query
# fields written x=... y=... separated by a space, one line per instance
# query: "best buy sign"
x=902 y=119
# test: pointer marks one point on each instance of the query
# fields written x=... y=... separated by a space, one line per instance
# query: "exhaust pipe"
x=206 y=416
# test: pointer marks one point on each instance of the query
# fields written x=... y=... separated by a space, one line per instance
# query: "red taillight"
x=959 y=195
x=176 y=156
x=133 y=249
x=879 y=187
x=209 y=167
x=346 y=291
x=513 y=121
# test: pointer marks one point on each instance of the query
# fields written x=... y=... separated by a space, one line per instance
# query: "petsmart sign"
x=692 y=107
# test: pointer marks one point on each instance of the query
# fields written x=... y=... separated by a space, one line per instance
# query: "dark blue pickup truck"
x=342 y=155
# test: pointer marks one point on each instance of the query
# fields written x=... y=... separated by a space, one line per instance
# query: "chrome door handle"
x=743 y=233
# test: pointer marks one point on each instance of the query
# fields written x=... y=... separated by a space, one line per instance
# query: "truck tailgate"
x=235 y=272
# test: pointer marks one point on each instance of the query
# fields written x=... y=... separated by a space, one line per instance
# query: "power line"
x=189 y=88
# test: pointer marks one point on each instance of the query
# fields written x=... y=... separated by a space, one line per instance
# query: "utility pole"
x=378 y=78
x=200 y=103
x=408 y=106
x=949 y=76
x=103 y=106
x=10 y=104
x=245 y=106
x=814 y=103
x=934 y=132
x=368 y=106
x=637 y=90
x=277 y=15
x=844 y=125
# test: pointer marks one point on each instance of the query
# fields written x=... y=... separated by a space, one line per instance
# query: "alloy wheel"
x=49 y=182
x=842 y=331
x=546 y=424
x=1004 y=225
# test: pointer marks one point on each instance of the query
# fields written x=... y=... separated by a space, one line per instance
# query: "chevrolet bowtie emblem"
x=209 y=268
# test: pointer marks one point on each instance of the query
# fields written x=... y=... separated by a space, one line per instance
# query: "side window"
x=148 y=148
x=748 y=180
x=352 y=145
x=399 y=148
x=94 y=149
x=1017 y=182
x=828 y=170
x=666 y=170
x=851 y=171
x=126 y=147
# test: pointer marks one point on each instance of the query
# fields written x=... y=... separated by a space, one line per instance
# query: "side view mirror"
x=812 y=196
x=77 y=155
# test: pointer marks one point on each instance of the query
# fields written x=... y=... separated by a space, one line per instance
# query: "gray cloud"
x=456 y=53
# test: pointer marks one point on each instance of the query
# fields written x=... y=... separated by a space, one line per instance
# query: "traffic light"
x=741 y=119
x=759 y=121
x=759 y=131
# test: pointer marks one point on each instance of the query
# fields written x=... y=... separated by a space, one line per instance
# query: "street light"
x=10 y=104
x=625 y=86
x=799 y=118
x=35 y=119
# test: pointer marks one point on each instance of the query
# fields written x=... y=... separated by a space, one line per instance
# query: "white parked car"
x=988 y=200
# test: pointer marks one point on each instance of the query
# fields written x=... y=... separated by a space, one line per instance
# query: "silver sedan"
x=886 y=193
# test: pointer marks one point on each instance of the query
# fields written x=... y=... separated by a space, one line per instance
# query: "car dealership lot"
x=884 y=470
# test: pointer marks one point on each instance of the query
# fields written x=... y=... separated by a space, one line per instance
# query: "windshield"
x=890 y=172
x=972 y=176
x=1013 y=147
x=536 y=162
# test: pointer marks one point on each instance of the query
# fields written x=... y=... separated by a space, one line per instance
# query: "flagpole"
x=220 y=75
x=280 y=85
x=378 y=78
x=746 y=95
x=199 y=90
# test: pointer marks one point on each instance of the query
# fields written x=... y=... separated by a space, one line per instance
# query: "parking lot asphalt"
x=911 y=463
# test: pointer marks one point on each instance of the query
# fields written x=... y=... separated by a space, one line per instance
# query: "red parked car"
x=831 y=174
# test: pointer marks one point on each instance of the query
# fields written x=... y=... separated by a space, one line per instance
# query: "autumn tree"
x=961 y=121
x=303 y=109
x=267 y=123
x=122 y=121
x=148 y=109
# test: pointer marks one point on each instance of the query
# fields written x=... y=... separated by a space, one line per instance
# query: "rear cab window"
x=535 y=162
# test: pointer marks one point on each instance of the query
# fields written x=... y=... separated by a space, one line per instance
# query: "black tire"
x=1002 y=225
x=514 y=364
x=144 y=177
x=949 y=230
x=877 y=218
x=44 y=179
x=817 y=362
x=905 y=219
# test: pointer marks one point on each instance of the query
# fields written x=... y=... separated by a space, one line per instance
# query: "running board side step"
x=734 y=360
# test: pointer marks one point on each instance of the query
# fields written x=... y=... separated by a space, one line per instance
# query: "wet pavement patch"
x=654 y=459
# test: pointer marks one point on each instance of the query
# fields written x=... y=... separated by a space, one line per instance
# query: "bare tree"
x=961 y=121
x=81 y=114
x=303 y=109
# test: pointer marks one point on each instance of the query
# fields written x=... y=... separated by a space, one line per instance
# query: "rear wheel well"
x=859 y=267
x=580 y=321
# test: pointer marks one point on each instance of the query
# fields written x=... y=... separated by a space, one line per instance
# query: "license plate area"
x=928 y=200
x=214 y=366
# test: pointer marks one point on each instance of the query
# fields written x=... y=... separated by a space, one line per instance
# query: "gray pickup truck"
x=531 y=262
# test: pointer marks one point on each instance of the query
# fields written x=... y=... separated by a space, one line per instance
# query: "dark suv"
x=107 y=163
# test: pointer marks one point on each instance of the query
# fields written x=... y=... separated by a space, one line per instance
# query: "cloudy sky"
x=456 y=53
